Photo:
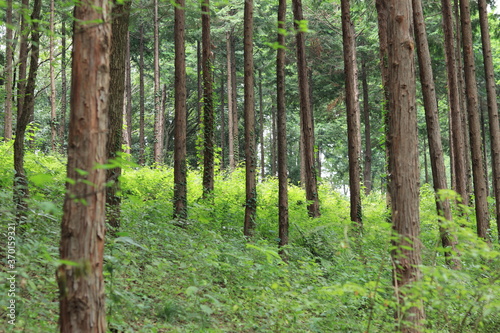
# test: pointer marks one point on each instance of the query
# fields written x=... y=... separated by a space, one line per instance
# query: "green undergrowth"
x=207 y=277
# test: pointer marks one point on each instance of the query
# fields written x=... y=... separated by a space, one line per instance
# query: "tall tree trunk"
x=141 y=97
x=9 y=50
x=281 y=122
x=222 y=126
x=53 y=119
x=158 y=146
x=367 y=170
x=23 y=58
x=119 y=26
x=492 y=105
x=81 y=286
x=21 y=191
x=480 y=194
x=433 y=130
x=403 y=163
x=64 y=85
x=353 y=112
x=250 y=151
x=127 y=135
x=306 y=114
x=208 y=104
x=180 y=128
x=457 y=134
x=261 y=134
x=230 y=113
x=273 y=143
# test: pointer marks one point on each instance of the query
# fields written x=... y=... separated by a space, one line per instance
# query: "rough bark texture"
x=180 y=183
x=281 y=123
x=403 y=161
x=127 y=112
x=250 y=152
x=230 y=121
x=261 y=132
x=53 y=121
x=64 y=88
x=119 y=26
x=433 y=130
x=81 y=286
x=208 y=103
x=353 y=113
x=158 y=145
x=141 y=97
x=457 y=134
x=21 y=191
x=478 y=173
x=9 y=56
x=311 y=185
x=489 y=74
x=367 y=170
x=222 y=126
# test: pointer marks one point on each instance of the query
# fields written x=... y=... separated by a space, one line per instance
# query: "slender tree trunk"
x=21 y=191
x=281 y=122
x=433 y=130
x=158 y=146
x=127 y=135
x=480 y=194
x=305 y=111
x=119 y=26
x=53 y=119
x=23 y=58
x=367 y=170
x=180 y=128
x=141 y=97
x=81 y=286
x=199 y=105
x=222 y=126
x=234 y=97
x=353 y=112
x=457 y=135
x=274 y=143
x=230 y=106
x=261 y=121
x=403 y=162
x=64 y=87
x=492 y=105
x=250 y=151
x=208 y=105
x=9 y=50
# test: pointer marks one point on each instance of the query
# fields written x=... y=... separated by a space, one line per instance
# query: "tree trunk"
x=208 y=104
x=261 y=134
x=119 y=26
x=457 y=134
x=81 y=286
x=158 y=146
x=230 y=114
x=367 y=170
x=492 y=105
x=141 y=97
x=21 y=191
x=222 y=126
x=180 y=182
x=433 y=130
x=9 y=50
x=274 y=143
x=127 y=135
x=403 y=162
x=480 y=194
x=250 y=152
x=53 y=119
x=353 y=113
x=306 y=114
x=64 y=89
x=281 y=122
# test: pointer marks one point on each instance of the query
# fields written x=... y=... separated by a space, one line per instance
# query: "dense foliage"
x=206 y=277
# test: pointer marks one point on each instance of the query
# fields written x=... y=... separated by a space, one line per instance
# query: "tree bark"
x=180 y=182
x=119 y=26
x=208 y=104
x=311 y=185
x=492 y=105
x=281 y=123
x=250 y=152
x=261 y=134
x=353 y=113
x=127 y=135
x=21 y=191
x=53 y=119
x=81 y=286
x=403 y=161
x=222 y=126
x=478 y=173
x=457 y=134
x=64 y=89
x=433 y=130
x=9 y=56
x=158 y=143
x=141 y=97
x=367 y=170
